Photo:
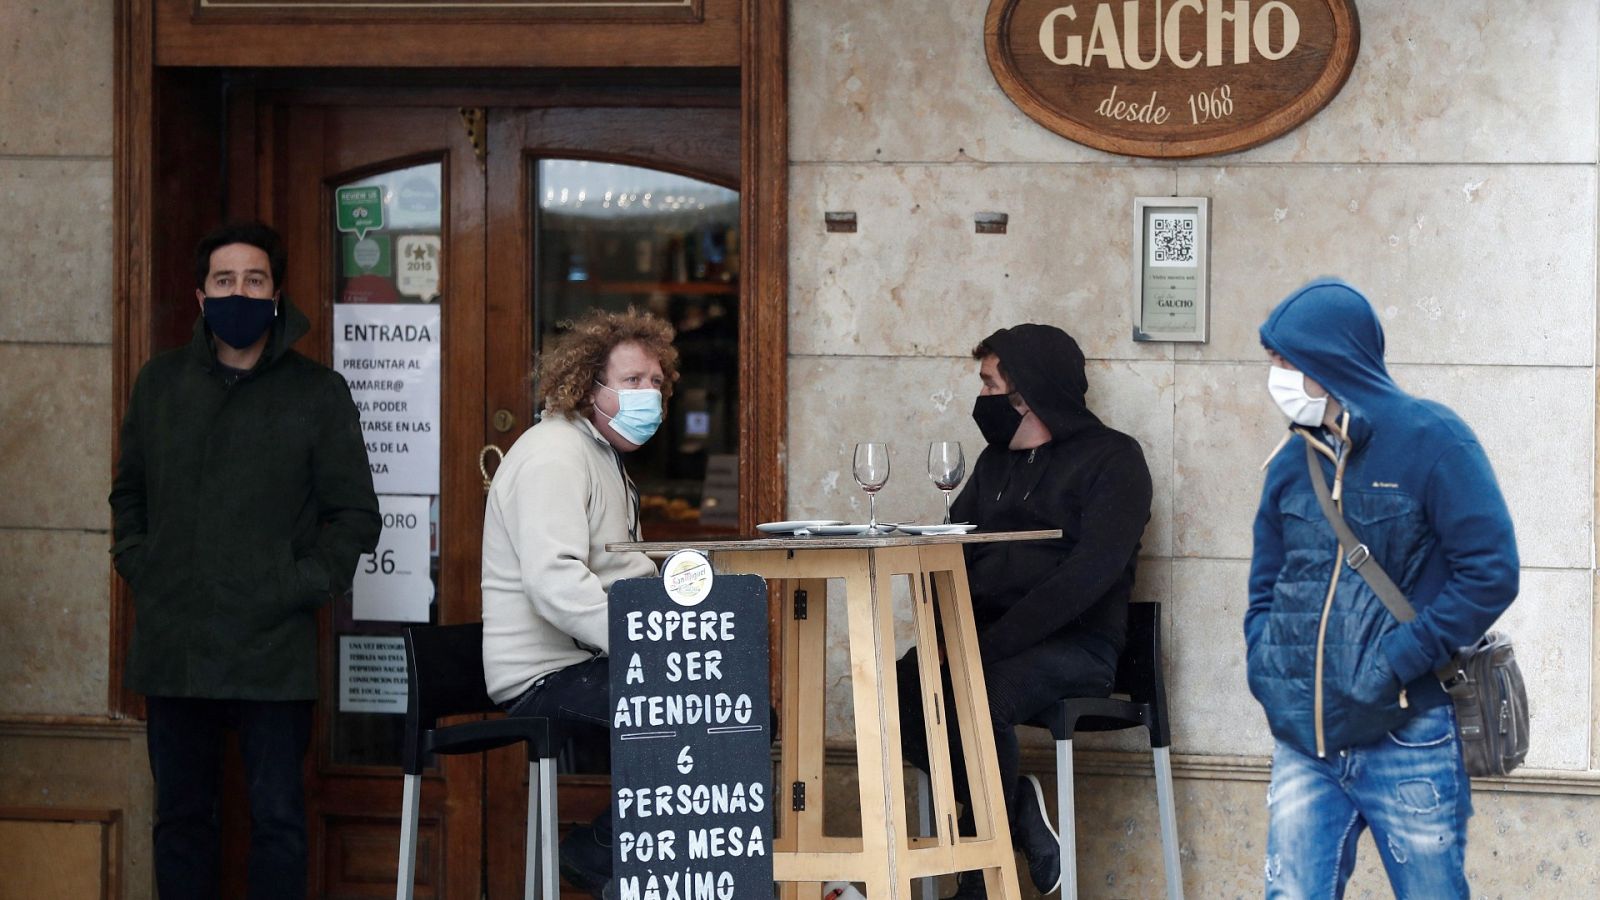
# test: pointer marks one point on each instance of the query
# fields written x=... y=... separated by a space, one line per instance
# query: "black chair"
x=1140 y=678
x=445 y=666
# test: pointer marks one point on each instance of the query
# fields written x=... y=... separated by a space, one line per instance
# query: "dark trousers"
x=579 y=694
x=1020 y=687
x=185 y=740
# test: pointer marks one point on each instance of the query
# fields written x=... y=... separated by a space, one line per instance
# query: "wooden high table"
x=886 y=856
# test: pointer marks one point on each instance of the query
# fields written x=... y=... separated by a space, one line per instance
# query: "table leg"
x=948 y=573
x=800 y=760
x=941 y=782
x=862 y=612
x=883 y=858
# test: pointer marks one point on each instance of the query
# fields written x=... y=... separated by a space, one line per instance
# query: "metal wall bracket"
x=800 y=604
x=797 y=796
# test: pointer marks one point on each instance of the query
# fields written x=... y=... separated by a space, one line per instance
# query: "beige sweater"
x=556 y=501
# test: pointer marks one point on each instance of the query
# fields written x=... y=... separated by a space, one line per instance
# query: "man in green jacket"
x=242 y=501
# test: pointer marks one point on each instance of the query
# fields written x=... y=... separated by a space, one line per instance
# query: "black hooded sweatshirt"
x=1089 y=480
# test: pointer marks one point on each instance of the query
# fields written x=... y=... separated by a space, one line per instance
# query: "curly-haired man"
x=559 y=497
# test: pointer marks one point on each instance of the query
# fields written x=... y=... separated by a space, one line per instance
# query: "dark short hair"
x=257 y=235
x=983 y=351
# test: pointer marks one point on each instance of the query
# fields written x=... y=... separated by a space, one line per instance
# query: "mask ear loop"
x=1018 y=394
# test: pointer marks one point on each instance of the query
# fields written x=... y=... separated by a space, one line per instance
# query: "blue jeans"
x=185 y=738
x=1410 y=787
x=580 y=694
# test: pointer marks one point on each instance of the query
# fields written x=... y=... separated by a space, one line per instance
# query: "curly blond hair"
x=569 y=369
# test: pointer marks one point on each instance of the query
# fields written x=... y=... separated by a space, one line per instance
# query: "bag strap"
x=1356 y=554
x=1359 y=559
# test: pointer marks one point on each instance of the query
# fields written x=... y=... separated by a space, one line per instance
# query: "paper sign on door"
x=393 y=583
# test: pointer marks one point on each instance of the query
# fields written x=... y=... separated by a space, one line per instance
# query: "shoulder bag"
x=1483 y=679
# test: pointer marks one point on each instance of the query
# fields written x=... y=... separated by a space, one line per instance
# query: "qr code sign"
x=1172 y=239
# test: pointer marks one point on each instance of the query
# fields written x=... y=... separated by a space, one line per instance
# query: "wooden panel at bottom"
x=40 y=859
x=362 y=855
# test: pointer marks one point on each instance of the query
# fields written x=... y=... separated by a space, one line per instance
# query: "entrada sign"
x=1171 y=78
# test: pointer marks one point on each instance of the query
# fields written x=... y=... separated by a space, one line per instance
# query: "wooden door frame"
x=146 y=255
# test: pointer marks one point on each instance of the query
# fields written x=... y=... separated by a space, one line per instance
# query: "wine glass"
x=946 y=467
x=872 y=473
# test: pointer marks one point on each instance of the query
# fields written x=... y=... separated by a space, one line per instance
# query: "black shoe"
x=969 y=886
x=1035 y=837
x=585 y=862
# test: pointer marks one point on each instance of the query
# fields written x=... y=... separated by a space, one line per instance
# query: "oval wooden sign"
x=1171 y=78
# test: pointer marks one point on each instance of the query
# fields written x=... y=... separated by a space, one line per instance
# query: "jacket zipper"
x=1327 y=606
x=1322 y=634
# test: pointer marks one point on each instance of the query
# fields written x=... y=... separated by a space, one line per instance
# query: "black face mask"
x=996 y=418
x=237 y=320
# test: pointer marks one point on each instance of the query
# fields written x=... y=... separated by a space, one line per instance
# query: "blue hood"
x=1329 y=331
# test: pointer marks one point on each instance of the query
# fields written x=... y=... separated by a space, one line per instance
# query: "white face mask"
x=1288 y=390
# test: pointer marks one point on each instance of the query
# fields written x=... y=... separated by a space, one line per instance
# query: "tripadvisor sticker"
x=687 y=576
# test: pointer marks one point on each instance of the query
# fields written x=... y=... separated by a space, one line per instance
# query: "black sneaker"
x=1035 y=837
x=585 y=862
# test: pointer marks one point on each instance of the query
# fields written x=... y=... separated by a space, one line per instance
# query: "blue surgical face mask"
x=237 y=320
x=638 y=413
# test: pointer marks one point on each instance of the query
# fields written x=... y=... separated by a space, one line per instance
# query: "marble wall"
x=1453 y=179
x=55 y=355
x=67 y=766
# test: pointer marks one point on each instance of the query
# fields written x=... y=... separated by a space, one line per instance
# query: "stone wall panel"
x=916 y=280
x=55 y=593
x=55 y=271
x=1464 y=264
x=55 y=86
x=55 y=446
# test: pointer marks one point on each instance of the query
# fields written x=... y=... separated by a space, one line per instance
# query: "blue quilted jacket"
x=1330 y=665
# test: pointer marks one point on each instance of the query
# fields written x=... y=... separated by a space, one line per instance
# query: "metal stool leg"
x=549 y=871
x=410 y=807
x=1169 y=823
x=930 y=886
x=531 y=860
x=1066 y=821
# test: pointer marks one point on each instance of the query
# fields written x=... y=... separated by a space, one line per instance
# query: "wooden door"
x=467 y=184
x=432 y=196
x=611 y=207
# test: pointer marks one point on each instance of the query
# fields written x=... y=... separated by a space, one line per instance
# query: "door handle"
x=483 y=463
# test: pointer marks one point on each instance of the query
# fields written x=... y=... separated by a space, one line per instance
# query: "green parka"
x=239 y=509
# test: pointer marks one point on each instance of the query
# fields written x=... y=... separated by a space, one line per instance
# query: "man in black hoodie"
x=1051 y=616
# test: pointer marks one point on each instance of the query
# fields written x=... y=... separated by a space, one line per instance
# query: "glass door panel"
x=612 y=236
x=388 y=258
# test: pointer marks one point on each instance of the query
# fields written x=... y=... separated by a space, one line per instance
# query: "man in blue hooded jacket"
x=1365 y=734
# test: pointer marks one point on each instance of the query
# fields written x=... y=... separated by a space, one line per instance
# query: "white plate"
x=952 y=528
x=793 y=526
x=840 y=530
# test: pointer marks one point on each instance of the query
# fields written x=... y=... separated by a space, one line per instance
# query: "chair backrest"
x=1139 y=671
x=444 y=665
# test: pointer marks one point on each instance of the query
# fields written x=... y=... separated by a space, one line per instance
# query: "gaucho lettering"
x=1272 y=32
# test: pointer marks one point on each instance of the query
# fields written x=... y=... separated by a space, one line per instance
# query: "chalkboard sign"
x=690 y=740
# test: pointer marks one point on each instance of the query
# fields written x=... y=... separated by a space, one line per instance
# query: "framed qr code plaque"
x=1171 y=268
